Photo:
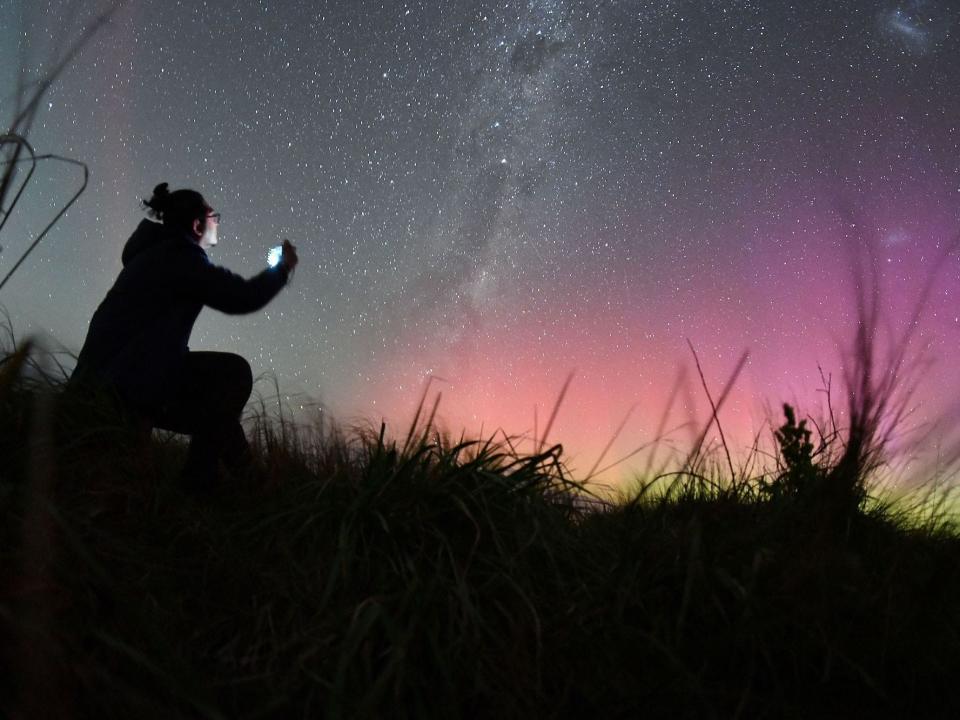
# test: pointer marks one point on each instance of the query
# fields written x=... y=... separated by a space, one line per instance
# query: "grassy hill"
x=355 y=575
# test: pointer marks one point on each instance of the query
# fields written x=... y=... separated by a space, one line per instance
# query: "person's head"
x=186 y=211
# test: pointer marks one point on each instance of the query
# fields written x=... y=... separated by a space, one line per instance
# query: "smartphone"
x=274 y=255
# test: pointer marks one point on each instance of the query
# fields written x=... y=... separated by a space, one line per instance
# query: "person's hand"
x=288 y=256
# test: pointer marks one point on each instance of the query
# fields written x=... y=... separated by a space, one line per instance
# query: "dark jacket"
x=137 y=339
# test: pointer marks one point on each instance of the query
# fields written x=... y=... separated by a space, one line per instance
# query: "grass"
x=364 y=576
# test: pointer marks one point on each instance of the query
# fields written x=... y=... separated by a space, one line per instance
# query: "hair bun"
x=158 y=204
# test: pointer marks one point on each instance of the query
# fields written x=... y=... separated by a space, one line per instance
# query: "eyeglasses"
x=215 y=216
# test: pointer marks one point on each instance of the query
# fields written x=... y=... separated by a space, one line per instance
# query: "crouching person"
x=136 y=346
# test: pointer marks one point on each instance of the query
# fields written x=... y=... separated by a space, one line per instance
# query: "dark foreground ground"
x=359 y=577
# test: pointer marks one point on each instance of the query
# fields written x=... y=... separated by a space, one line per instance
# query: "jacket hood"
x=146 y=236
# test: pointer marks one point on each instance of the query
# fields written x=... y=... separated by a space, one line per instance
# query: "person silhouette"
x=136 y=347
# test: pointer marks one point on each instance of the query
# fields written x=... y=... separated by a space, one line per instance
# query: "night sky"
x=497 y=194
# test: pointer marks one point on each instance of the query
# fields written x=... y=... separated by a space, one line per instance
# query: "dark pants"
x=207 y=406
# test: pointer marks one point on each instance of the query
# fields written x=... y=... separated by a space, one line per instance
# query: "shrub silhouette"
x=799 y=476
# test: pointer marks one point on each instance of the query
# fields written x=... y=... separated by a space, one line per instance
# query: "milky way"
x=492 y=196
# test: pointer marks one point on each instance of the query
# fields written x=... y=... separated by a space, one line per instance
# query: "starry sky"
x=492 y=196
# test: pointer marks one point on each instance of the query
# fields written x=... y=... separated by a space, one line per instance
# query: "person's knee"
x=241 y=376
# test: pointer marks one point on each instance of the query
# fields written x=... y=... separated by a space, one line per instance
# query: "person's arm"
x=230 y=293
x=233 y=294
